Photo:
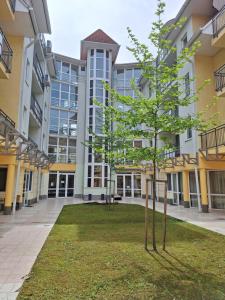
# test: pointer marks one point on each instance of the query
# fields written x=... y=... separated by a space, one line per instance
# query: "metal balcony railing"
x=13 y=5
x=36 y=109
x=39 y=71
x=6 y=52
x=7 y=118
x=218 y=22
x=220 y=79
x=172 y=154
x=213 y=138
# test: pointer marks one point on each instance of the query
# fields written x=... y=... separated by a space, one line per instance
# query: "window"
x=187 y=85
x=189 y=133
x=54 y=121
x=3 y=178
x=98 y=120
x=91 y=91
x=62 y=149
x=137 y=144
x=184 y=41
x=27 y=73
x=169 y=182
x=100 y=63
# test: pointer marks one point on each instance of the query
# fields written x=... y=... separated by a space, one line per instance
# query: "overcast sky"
x=74 y=20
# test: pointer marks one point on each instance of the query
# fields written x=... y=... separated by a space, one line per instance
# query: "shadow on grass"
x=184 y=277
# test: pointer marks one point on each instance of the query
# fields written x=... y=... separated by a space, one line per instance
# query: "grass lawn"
x=94 y=253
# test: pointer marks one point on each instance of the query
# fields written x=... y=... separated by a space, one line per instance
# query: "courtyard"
x=96 y=253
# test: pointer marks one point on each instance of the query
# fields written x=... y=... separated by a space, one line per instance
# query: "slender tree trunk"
x=146 y=216
x=110 y=185
x=154 y=197
x=165 y=218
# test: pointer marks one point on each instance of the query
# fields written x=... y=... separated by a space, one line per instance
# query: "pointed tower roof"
x=99 y=39
x=99 y=36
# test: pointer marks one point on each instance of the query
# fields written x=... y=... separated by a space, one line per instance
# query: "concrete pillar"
x=10 y=186
x=20 y=199
x=186 y=189
x=204 y=193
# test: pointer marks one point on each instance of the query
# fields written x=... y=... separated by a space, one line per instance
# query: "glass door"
x=70 y=185
x=175 y=189
x=128 y=186
x=137 y=186
x=120 y=185
x=52 y=185
x=62 y=185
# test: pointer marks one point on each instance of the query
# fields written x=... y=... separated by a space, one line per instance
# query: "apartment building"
x=196 y=170
x=77 y=171
x=26 y=66
x=68 y=86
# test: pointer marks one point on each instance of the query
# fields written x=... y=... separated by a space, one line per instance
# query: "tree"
x=152 y=118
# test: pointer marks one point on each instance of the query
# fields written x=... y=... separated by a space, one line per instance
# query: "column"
x=204 y=193
x=186 y=189
x=20 y=198
x=10 y=186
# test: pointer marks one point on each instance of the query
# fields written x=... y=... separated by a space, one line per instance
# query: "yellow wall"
x=205 y=67
x=198 y=22
x=10 y=88
x=63 y=167
x=6 y=13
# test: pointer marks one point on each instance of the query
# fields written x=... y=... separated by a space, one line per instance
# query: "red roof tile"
x=101 y=37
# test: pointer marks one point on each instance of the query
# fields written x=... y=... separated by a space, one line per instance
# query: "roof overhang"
x=41 y=13
x=190 y=8
x=86 y=45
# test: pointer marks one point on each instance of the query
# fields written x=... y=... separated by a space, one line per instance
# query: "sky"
x=74 y=20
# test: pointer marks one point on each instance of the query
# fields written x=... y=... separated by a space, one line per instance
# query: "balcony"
x=36 y=110
x=218 y=24
x=7 y=10
x=220 y=81
x=4 y=122
x=6 y=55
x=39 y=72
x=213 y=138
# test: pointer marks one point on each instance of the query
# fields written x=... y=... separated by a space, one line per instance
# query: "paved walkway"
x=23 y=235
x=214 y=221
x=21 y=239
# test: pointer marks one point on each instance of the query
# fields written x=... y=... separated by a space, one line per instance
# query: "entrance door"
x=129 y=185
x=66 y=185
x=62 y=185
x=70 y=185
x=52 y=185
x=120 y=185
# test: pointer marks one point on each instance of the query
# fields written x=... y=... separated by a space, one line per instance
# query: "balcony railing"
x=218 y=22
x=12 y=5
x=213 y=138
x=39 y=71
x=36 y=109
x=6 y=52
x=220 y=79
x=7 y=119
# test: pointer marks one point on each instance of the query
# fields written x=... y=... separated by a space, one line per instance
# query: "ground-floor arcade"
x=200 y=185
x=21 y=184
